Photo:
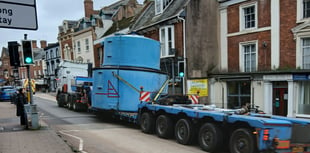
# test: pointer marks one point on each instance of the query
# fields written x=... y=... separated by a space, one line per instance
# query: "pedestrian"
x=20 y=110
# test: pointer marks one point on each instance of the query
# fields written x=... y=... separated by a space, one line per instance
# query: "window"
x=248 y=16
x=57 y=52
x=306 y=8
x=304 y=103
x=79 y=47
x=238 y=93
x=248 y=57
x=306 y=53
x=167 y=41
x=52 y=56
x=161 y=5
x=86 y=44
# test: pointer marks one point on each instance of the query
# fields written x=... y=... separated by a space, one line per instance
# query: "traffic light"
x=27 y=52
x=181 y=69
x=13 y=52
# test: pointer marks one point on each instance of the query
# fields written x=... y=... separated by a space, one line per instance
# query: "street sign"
x=18 y=14
x=27 y=2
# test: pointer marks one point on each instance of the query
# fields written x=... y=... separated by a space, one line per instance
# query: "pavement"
x=14 y=138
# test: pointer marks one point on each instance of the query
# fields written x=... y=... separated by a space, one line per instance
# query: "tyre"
x=59 y=100
x=164 y=126
x=69 y=104
x=242 y=141
x=210 y=137
x=147 y=122
x=184 y=131
x=76 y=107
x=72 y=101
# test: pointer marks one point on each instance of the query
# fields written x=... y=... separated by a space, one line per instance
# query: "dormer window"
x=161 y=5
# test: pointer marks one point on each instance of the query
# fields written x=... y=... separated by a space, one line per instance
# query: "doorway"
x=280 y=98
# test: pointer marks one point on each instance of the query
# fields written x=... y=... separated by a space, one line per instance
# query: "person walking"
x=20 y=110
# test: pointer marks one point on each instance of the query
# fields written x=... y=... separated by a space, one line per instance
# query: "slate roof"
x=148 y=18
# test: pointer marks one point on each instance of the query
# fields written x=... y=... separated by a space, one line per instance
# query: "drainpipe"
x=184 y=56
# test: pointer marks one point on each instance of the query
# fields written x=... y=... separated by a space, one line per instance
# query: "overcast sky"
x=50 y=14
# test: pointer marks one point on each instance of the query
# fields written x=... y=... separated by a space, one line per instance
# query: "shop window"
x=238 y=93
x=304 y=103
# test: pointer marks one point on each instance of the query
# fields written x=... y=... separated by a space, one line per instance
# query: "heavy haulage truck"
x=73 y=85
x=131 y=69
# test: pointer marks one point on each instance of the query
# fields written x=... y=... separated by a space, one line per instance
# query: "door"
x=280 y=97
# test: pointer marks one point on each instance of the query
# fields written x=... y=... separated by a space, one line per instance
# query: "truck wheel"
x=59 y=104
x=210 y=137
x=242 y=141
x=147 y=122
x=184 y=131
x=164 y=126
x=76 y=107
x=69 y=105
x=59 y=100
x=72 y=101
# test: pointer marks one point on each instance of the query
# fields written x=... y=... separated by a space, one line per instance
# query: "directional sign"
x=27 y=2
x=18 y=14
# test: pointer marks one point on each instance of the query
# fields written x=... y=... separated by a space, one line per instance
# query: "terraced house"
x=264 y=56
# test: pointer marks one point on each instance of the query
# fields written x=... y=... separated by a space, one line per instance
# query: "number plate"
x=298 y=149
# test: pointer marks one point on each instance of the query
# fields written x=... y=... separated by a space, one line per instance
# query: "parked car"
x=6 y=92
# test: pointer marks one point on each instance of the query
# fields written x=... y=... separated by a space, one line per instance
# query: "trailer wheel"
x=184 y=131
x=210 y=137
x=164 y=126
x=242 y=141
x=147 y=122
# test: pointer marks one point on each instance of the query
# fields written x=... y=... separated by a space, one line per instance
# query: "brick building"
x=264 y=56
x=164 y=21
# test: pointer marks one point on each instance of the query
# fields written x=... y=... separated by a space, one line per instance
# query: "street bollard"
x=32 y=116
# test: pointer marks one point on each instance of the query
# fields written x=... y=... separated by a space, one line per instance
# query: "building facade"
x=164 y=21
x=264 y=56
x=52 y=59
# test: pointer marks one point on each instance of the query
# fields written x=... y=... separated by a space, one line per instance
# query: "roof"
x=148 y=18
x=119 y=25
x=38 y=53
x=52 y=46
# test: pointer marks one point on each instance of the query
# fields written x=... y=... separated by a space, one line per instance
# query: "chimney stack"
x=88 y=8
x=43 y=44
x=34 y=44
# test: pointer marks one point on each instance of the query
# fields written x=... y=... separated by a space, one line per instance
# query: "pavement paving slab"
x=14 y=138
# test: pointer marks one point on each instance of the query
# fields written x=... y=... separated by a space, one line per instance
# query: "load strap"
x=124 y=81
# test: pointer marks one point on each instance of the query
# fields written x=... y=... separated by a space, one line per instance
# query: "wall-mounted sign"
x=18 y=14
x=197 y=85
x=301 y=77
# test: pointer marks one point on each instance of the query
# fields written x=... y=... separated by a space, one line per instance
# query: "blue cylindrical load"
x=110 y=93
x=131 y=50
